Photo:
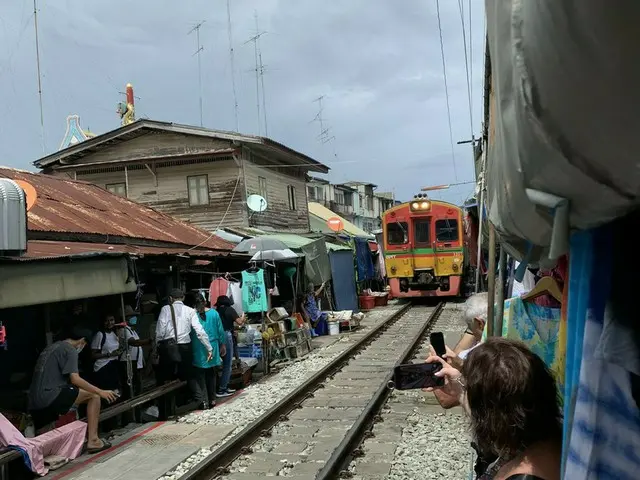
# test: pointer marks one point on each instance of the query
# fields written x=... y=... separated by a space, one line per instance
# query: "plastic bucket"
x=367 y=302
x=334 y=328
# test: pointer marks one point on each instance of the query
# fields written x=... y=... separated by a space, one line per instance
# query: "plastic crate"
x=250 y=351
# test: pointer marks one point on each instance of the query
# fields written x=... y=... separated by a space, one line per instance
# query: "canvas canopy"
x=563 y=119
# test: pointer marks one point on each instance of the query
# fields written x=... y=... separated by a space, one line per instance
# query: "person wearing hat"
x=173 y=337
x=129 y=336
x=56 y=386
x=230 y=319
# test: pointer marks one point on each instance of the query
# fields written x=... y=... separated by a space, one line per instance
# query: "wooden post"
x=491 y=291
x=502 y=268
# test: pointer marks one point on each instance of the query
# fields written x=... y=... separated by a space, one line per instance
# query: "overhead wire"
x=446 y=91
x=466 y=63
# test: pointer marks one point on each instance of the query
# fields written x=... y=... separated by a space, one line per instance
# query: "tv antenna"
x=259 y=71
x=324 y=136
x=35 y=24
x=199 y=50
x=233 y=68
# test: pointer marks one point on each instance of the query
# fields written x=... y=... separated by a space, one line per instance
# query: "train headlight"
x=454 y=267
x=420 y=206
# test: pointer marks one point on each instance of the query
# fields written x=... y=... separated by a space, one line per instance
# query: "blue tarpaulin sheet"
x=364 y=261
x=344 y=280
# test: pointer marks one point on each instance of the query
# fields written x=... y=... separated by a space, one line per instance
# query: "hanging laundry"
x=538 y=327
x=254 y=293
x=364 y=263
x=235 y=294
x=219 y=286
x=602 y=431
x=527 y=284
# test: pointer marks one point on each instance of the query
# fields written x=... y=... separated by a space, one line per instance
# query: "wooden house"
x=199 y=175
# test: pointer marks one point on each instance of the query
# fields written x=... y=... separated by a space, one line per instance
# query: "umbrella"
x=260 y=244
x=273 y=255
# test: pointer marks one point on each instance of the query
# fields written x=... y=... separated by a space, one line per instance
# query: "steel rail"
x=348 y=448
x=215 y=464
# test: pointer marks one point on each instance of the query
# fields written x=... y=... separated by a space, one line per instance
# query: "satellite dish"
x=256 y=203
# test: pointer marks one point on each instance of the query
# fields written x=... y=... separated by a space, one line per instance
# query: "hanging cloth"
x=219 y=286
x=254 y=293
x=235 y=294
x=602 y=437
x=363 y=260
x=538 y=328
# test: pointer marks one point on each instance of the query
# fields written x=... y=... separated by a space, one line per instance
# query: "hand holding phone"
x=416 y=376
x=437 y=342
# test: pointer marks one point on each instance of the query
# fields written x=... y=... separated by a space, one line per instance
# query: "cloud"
x=378 y=64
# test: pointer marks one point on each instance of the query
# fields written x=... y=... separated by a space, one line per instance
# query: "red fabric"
x=219 y=286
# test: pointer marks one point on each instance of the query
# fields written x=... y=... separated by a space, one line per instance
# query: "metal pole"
x=491 y=290
x=502 y=269
x=480 y=215
x=127 y=352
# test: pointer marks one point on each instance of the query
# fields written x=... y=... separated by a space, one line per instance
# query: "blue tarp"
x=364 y=261
x=344 y=280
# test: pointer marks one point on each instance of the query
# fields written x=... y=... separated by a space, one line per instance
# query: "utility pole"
x=233 y=68
x=35 y=24
x=200 y=48
x=257 y=70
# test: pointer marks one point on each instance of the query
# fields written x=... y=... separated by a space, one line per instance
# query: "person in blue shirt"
x=204 y=378
x=318 y=319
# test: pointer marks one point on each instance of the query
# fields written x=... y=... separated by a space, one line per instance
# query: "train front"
x=423 y=248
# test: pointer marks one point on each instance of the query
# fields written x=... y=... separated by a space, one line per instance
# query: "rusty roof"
x=145 y=126
x=47 y=249
x=74 y=207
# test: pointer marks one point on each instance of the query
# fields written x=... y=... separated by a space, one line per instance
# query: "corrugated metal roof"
x=324 y=214
x=144 y=126
x=46 y=249
x=75 y=207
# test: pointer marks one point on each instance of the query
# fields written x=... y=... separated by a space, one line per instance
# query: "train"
x=424 y=248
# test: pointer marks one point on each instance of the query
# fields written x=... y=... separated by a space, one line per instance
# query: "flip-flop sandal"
x=105 y=446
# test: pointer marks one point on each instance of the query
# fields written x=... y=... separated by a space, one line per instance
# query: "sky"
x=377 y=64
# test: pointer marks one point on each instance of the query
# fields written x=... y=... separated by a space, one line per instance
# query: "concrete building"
x=355 y=201
x=199 y=175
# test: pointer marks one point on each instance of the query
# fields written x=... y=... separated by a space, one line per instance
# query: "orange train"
x=424 y=248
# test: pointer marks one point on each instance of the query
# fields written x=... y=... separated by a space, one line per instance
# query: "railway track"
x=327 y=416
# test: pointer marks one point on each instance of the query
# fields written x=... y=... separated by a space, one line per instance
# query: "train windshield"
x=397 y=233
x=447 y=230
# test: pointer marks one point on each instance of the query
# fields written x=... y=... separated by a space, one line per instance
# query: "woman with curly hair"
x=512 y=402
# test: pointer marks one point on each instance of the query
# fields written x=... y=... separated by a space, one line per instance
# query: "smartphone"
x=416 y=375
x=437 y=342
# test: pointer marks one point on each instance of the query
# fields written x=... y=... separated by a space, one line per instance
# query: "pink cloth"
x=219 y=286
x=66 y=441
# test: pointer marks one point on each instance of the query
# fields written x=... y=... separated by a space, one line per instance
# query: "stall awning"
x=319 y=215
x=39 y=281
x=296 y=242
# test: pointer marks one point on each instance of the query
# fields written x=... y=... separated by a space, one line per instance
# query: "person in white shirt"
x=174 y=343
x=129 y=336
x=105 y=348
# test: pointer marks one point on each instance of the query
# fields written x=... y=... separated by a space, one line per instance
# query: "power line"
x=233 y=68
x=446 y=91
x=466 y=64
x=199 y=50
x=35 y=24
